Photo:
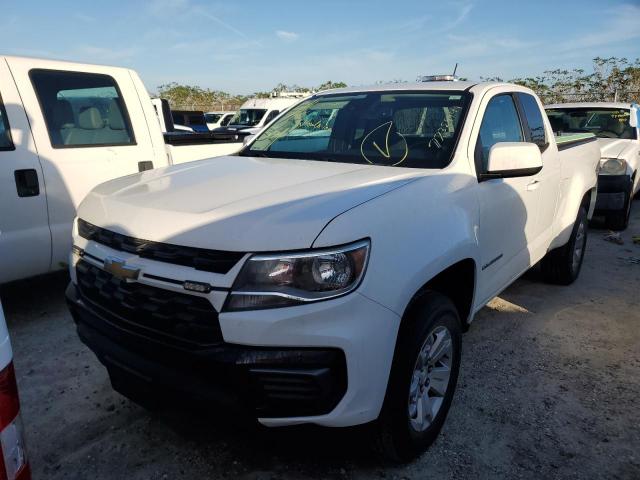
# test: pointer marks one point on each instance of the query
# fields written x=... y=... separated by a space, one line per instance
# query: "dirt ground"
x=549 y=388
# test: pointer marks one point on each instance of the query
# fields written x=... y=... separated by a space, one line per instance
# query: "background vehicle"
x=64 y=128
x=14 y=464
x=255 y=113
x=190 y=118
x=325 y=274
x=616 y=126
x=218 y=119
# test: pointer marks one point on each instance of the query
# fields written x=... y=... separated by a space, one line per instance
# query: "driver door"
x=508 y=205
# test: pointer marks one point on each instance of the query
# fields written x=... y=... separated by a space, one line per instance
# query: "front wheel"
x=619 y=219
x=562 y=265
x=422 y=381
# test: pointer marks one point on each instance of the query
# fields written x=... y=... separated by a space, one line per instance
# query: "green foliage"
x=196 y=98
x=189 y=97
x=329 y=84
x=611 y=79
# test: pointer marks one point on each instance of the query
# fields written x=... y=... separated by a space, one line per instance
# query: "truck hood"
x=613 y=147
x=237 y=203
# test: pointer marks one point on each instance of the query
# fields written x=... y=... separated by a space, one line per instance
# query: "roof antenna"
x=454 y=70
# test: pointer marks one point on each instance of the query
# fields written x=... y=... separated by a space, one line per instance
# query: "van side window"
x=6 y=143
x=226 y=120
x=272 y=114
x=82 y=109
x=534 y=120
x=500 y=124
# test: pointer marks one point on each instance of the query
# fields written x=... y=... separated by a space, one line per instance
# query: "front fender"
x=416 y=232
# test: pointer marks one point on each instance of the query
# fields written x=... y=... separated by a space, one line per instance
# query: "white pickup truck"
x=617 y=127
x=325 y=274
x=64 y=128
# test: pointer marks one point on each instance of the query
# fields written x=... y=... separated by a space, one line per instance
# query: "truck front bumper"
x=325 y=363
x=612 y=192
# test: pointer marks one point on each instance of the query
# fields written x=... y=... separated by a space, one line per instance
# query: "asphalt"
x=549 y=388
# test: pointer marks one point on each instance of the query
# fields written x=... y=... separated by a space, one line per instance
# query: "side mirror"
x=634 y=118
x=513 y=159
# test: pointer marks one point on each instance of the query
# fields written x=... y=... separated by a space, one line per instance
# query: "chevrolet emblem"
x=119 y=269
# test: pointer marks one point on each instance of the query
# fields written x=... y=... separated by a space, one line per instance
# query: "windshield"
x=404 y=129
x=248 y=117
x=603 y=122
x=212 y=117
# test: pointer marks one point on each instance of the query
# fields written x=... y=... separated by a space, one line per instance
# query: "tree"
x=329 y=84
x=196 y=98
x=611 y=79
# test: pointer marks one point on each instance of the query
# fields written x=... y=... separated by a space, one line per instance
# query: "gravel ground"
x=549 y=388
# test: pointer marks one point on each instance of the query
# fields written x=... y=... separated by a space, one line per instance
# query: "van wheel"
x=619 y=220
x=562 y=265
x=422 y=380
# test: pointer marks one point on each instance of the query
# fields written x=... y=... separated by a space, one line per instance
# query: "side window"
x=534 y=120
x=82 y=109
x=226 y=120
x=6 y=143
x=272 y=114
x=500 y=124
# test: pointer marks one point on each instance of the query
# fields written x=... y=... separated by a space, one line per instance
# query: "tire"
x=562 y=265
x=399 y=437
x=619 y=220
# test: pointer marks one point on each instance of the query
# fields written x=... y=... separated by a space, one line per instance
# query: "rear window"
x=82 y=109
x=196 y=120
x=5 y=133
x=603 y=122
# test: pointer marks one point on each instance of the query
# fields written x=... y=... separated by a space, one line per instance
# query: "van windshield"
x=248 y=117
x=602 y=122
x=391 y=128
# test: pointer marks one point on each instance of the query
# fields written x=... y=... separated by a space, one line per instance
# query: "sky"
x=249 y=46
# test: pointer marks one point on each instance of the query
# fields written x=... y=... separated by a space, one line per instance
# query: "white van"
x=255 y=113
x=64 y=128
x=218 y=119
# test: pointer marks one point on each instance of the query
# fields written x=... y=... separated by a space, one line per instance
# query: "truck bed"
x=569 y=140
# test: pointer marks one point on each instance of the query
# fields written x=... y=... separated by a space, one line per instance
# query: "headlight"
x=613 y=166
x=285 y=279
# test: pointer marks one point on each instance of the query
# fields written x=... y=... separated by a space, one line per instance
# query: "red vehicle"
x=14 y=464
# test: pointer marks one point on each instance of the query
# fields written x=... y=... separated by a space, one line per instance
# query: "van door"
x=89 y=128
x=25 y=239
x=508 y=206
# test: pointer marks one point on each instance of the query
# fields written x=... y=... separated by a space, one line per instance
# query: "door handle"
x=145 y=165
x=27 y=182
x=533 y=185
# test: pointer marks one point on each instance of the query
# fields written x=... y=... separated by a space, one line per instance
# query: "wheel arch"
x=457 y=282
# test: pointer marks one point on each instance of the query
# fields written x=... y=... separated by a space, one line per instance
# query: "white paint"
x=419 y=222
x=36 y=231
x=622 y=149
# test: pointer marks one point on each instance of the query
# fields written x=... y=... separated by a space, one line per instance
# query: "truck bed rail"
x=574 y=139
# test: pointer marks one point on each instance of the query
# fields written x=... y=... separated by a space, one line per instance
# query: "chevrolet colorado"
x=326 y=273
